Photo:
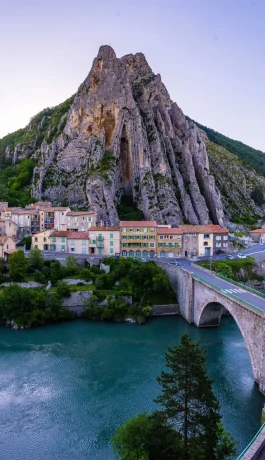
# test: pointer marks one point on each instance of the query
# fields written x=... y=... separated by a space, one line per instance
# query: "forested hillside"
x=249 y=156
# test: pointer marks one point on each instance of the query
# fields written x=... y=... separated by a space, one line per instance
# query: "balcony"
x=100 y=244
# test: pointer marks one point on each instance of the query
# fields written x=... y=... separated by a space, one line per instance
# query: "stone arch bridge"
x=203 y=298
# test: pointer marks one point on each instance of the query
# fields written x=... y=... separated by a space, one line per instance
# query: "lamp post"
x=210 y=263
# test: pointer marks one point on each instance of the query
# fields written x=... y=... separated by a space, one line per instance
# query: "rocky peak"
x=124 y=136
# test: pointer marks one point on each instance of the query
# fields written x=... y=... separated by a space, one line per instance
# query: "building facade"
x=78 y=242
x=8 y=228
x=80 y=221
x=138 y=238
x=104 y=241
x=58 y=241
x=41 y=240
x=169 y=242
x=7 y=246
x=203 y=240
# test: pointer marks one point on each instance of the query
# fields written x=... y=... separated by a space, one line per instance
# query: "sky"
x=210 y=54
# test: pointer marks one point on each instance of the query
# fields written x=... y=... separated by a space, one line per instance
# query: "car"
x=241 y=256
x=173 y=262
x=229 y=257
x=143 y=259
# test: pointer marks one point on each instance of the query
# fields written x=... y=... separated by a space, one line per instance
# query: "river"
x=65 y=388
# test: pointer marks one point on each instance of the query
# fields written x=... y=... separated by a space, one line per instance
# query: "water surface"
x=65 y=388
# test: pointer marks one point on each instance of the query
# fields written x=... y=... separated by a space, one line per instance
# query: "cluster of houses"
x=60 y=230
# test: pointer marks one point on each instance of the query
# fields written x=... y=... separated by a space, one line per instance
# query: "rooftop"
x=80 y=213
x=169 y=231
x=203 y=229
x=104 y=229
x=59 y=233
x=139 y=223
x=258 y=230
x=78 y=235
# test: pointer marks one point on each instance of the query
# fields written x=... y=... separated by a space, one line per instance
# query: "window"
x=225 y=245
x=63 y=240
x=124 y=237
x=83 y=242
x=63 y=248
x=151 y=237
x=75 y=218
x=145 y=230
x=225 y=237
x=171 y=237
x=111 y=243
x=35 y=246
x=161 y=237
x=205 y=244
x=90 y=219
x=218 y=237
x=124 y=245
x=111 y=250
x=218 y=245
x=152 y=245
x=72 y=249
x=53 y=239
x=152 y=229
x=111 y=235
x=44 y=239
x=131 y=229
x=62 y=213
x=83 y=250
x=138 y=229
x=35 y=239
x=72 y=241
x=124 y=229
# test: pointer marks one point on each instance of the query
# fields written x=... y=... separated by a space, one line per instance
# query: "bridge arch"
x=209 y=313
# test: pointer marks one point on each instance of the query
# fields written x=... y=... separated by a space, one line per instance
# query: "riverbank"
x=107 y=373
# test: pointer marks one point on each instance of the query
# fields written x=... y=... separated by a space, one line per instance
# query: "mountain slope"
x=122 y=136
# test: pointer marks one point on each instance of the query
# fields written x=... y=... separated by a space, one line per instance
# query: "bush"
x=63 y=289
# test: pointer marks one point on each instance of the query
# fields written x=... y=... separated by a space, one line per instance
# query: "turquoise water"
x=65 y=388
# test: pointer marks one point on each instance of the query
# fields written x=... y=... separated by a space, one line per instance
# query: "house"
x=138 y=238
x=58 y=241
x=27 y=222
x=7 y=246
x=78 y=242
x=53 y=218
x=169 y=242
x=8 y=228
x=104 y=240
x=41 y=240
x=3 y=205
x=202 y=240
x=258 y=235
x=80 y=221
x=6 y=213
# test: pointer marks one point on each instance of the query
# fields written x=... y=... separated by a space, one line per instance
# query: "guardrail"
x=251 y=443
x=247 y=288
x=228 y=294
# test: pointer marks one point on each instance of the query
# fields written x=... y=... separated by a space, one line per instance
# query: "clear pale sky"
x=210 y=54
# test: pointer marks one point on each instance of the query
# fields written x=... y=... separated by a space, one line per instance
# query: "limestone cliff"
x=122 y=134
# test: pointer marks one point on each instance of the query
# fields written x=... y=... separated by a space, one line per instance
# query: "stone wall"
x=165 y=310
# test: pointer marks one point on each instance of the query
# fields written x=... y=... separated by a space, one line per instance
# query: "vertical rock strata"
x=124 y=135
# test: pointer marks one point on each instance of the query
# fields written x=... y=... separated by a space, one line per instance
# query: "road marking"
x=234 y=291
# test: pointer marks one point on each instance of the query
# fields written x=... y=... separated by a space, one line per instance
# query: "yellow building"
x=169 y=242
x=138 y=238
x=104 y=241
x=41 y=240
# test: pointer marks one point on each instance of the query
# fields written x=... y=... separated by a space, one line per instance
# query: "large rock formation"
x=124 y=135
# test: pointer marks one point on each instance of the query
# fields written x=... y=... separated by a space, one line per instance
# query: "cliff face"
x=122 y=135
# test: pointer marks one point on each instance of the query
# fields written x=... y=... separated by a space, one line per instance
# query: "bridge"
x=203 y=298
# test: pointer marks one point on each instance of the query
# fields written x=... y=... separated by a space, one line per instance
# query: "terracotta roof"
x=169 y=231
x=258 y=230
x=203 y=229
x=135 y=223
x=78 y=235
x=80 y=213
x=104 y=229
x=56 y=208
x=24 y=211
x=17 y=208
x=59 y=233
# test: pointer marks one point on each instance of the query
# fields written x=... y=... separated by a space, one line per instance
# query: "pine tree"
x=189 y=404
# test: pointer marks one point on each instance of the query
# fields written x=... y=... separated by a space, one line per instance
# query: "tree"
x=17 y=265
x=36 y=259
x=225 y=270
x=2 y=266
x=147 y=437
x=188 y=402
x=71 y=264
x=63 y=289
x=56 y=271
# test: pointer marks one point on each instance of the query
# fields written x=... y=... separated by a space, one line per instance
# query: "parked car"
x=229 y=257
x=241 y=256
x=143 y=259
x=173 y=262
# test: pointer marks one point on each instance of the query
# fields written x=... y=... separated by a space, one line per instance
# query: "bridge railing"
x=228 y=294
x=241 y=456
x=247 y=288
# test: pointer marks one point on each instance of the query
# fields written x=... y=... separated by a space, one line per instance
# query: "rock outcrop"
x=124 y=135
